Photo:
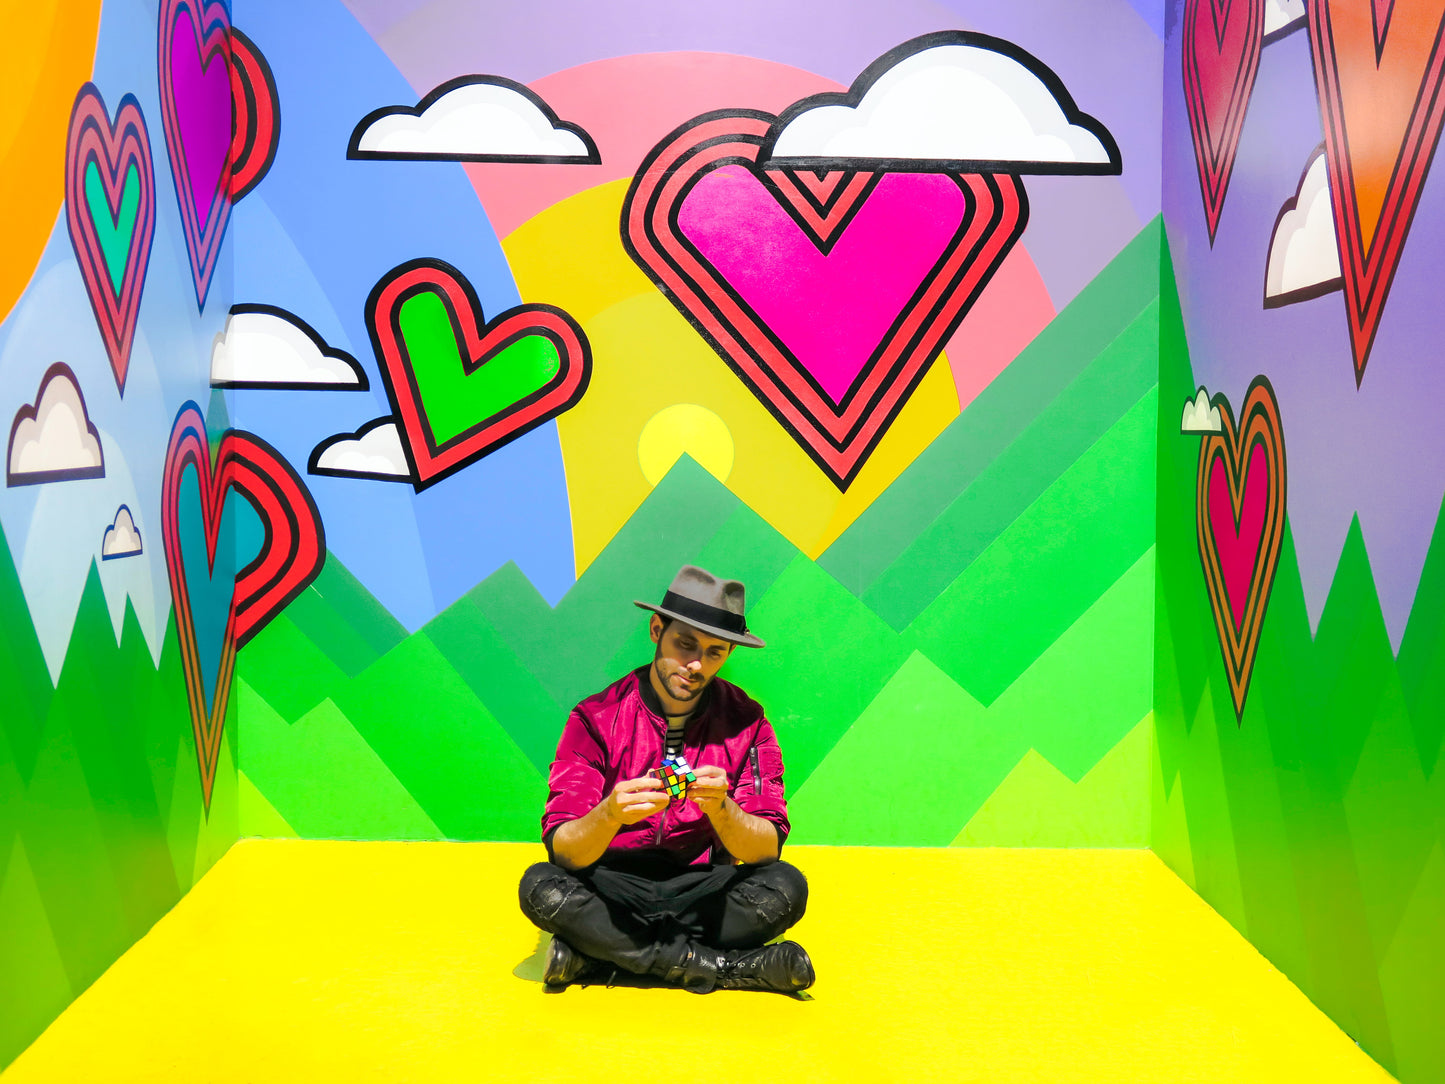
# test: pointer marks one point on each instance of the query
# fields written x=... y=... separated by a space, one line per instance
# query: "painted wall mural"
x=1027 y=673
x=419 y=347
x=829 y=253
x=111 y=806
x=1377 y=78
x=315 y=238
x=1300 y=685
x=342 y=433
x=716 y=282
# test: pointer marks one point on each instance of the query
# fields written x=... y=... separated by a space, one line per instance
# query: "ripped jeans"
x=642 y=920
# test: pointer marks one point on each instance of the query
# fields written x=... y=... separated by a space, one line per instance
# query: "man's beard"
x=688 y=694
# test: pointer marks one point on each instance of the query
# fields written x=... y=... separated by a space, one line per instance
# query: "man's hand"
x=576 y=844
x=710 y=790
x=633 y=800
x=746 y=837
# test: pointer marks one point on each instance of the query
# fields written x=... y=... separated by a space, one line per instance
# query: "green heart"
x=115 y=233
x=453 y=399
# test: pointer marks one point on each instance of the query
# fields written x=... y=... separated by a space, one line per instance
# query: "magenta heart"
x=765 y=262
x=1238 y=542
x=1220 y=59
x=831 y=310
x=194 y=71
x=203 y=107
x=1240 y=515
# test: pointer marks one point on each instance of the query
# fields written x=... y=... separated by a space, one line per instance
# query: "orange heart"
x=1378 y=71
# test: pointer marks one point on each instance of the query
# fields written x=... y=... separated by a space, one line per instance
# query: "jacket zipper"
x=662 y=819
x=757 y=772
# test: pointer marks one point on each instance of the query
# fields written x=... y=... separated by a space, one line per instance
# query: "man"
x=689 y=889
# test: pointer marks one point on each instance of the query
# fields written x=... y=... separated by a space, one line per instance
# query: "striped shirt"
x=675 y=726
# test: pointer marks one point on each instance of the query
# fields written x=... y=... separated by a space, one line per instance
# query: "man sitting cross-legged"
x=689 y=889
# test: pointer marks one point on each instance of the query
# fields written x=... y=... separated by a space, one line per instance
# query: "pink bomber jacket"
x=616 y=735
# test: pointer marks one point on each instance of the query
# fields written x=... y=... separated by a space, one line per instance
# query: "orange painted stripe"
x=46 y=53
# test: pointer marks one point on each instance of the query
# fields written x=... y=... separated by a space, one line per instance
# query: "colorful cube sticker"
x=676 y=773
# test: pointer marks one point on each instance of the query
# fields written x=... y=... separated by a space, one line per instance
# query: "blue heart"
x=210 y=587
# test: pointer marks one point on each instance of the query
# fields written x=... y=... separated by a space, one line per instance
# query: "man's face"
x=686 y=660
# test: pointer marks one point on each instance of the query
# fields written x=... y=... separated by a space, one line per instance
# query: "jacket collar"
x=651 y=702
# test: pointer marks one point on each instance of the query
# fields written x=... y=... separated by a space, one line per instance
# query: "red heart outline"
x=1223 y=55
x=291 y=556
x=839 y=438
x=257 y=115
x=1259 y=427
x=212 y=24
x=478 y=341
x=1355 y=65
x=114 y=148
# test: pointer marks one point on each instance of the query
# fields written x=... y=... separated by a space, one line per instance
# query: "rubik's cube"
x=676 y=773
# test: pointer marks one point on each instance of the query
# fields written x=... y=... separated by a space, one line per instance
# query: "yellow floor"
x=401 y=962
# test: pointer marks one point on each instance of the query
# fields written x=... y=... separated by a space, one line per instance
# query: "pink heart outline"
x=113 y=147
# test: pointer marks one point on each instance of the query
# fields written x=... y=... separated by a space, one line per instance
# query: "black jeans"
x=664 y=932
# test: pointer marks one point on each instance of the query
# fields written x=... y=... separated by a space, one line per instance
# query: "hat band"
x=701 y=613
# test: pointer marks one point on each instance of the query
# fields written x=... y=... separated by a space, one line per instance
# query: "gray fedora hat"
x=708 y=604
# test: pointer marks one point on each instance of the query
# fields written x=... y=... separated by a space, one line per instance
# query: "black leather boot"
x=783 y=968
x=564 y=964
x=696 y=970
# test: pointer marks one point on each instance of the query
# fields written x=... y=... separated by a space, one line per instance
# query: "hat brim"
x=745 y=639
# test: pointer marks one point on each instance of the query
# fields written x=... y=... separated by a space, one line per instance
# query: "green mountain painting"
x=102 y=828
x=1018 y=629
x=1316 y=822
x=984 y=632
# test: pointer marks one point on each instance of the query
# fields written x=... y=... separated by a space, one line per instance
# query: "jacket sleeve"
x=759 y=789
x=578 y=776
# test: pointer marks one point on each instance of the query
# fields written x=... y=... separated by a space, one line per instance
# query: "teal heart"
x=241 y=536
x=115 y=232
